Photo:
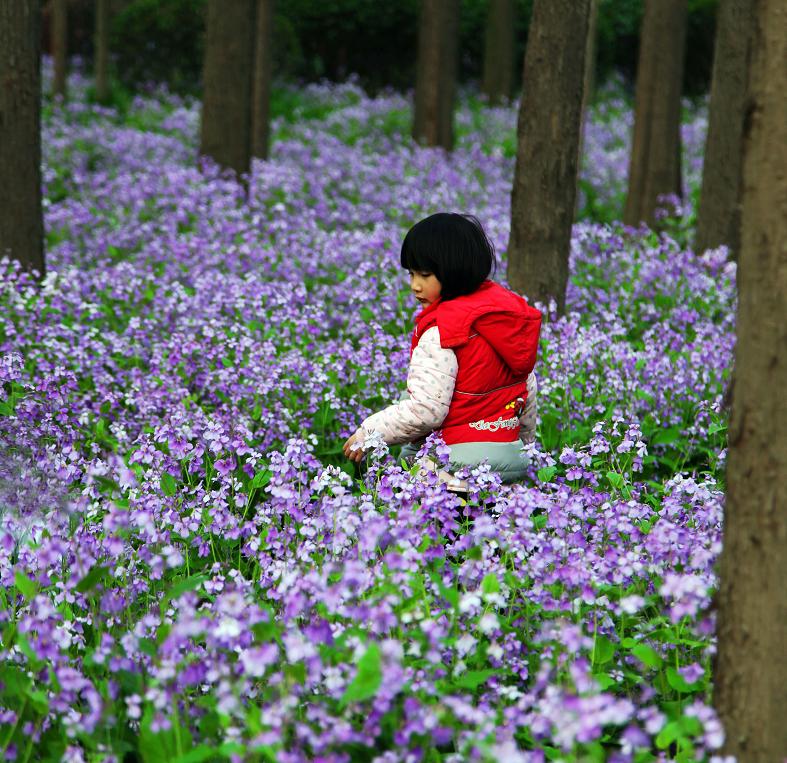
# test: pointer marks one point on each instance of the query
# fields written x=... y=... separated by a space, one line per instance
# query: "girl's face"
x=424 y=286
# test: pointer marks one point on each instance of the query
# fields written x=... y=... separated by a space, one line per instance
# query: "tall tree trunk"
x=59 y=45
x=588 y=87
x=229 y=63
x=435 y=86
x=499 y=51
x=21 y=223
x=101 y=42
x=654 y=169
x=545 y=177
x=751 y=670
x=590 y=70
x=261 y=89
x=719 y=215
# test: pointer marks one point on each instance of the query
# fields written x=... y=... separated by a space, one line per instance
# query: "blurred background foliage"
x=162 y=40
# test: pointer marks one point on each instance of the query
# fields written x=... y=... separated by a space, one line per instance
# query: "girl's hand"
x=354 y=455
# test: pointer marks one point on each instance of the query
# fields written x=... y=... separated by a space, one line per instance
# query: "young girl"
x=471 y=356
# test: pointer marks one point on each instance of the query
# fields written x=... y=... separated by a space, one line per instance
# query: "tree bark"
x=719 y=215
x=751 y=669
x=21 y=222
x=588 y=87
x=101 y=42
x=59 y=45
x=227 y=80
x=654 y=169
x=261 y=95
x=545 y=177
x=438 y=32
x=499 y=51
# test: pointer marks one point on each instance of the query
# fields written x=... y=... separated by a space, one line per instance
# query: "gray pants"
x=507 y=458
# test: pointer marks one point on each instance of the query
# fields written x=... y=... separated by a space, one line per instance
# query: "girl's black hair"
x=453 y=247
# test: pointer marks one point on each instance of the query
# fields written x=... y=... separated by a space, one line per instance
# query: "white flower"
x=228 y=627
x=632 y=604
x=464 y=644
x=488 y=623
x=469 y=601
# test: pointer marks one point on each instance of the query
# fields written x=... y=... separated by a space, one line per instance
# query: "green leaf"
x=451 y=595
x=490 y=583
x=162 y=745
x=92 y=579
x=615 y=479
x=39 y=701
x=670 y=733
x=648 y=655
x=168 y=485
x=472 y=679
x=197 y=755
x=368 y=678
x=604 y=681
x=679 y=683
x=666 y=436
x=603 y=650
x=366 y=314
x=261 y=479
x=474 y=553
x=546 y=473
x=27 y=587
x=181 y=586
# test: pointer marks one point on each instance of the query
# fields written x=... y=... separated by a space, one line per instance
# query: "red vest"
x=494 y=334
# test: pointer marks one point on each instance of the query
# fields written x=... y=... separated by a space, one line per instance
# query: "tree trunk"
x=719 y=215
x=59 y=45
x=261 y=95
x=751 y=669
x=229 y=63
x=21 y=223
x=102 y=50
x=499 y=51
x=433 y=119
x=654 y=169
x=545 y=177
x=588 y=87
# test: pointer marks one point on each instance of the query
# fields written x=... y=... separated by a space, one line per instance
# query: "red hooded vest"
x=494 y=334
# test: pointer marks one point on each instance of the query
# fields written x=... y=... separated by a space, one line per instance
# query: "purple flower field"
x=190 y=571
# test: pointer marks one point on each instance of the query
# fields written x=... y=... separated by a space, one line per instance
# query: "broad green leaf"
x=603 y=650
x=197 y=755
x=261 y=479
x=368 y=678
x=168 y=485
x=666 y=436
x=39 y=701
x=490 y=583
x=27 y=587
x=472 y=679
x=181 y=586
x=679 y=683
x=648 y=655
x=615 y=479
x=670 y=733
x=92 y=579
x=546 y=473
x=449 y=594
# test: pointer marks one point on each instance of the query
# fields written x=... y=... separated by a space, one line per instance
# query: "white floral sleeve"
x=527 y=421
x=430 y=385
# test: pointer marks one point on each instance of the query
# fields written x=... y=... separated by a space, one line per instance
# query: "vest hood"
x=501 y=317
